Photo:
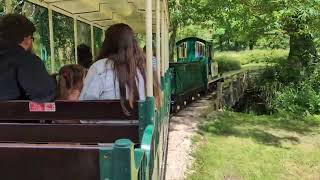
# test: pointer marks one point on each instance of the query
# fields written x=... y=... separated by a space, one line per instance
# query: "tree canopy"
x=239 y=24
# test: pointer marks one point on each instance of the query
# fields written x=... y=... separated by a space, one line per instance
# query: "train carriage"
x=124 y=147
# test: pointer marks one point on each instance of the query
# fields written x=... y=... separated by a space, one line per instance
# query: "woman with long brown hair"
x=119 y=72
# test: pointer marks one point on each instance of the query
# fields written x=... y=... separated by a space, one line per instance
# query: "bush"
x=289 y=89
x=227 y=63
x=301 y=98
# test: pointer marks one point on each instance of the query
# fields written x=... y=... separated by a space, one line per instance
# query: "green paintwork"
x=146 y=140
x=105 y=159
x=191 y=51
x=123 y=164
x=141 y=164
x=192 y=73
x=187 y=77
x=146 y=114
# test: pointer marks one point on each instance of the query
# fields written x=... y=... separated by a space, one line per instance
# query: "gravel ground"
x=182 y=128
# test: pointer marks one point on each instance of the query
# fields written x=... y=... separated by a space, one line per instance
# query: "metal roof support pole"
x=167 y=43
x=149 y=74
x=92 y=41
x=104 y=33
x=75 y=33
x=158 y=38
x=52 y=56
x=162 y=43
x=8 y=5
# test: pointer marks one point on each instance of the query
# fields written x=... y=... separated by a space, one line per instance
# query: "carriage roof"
x=103 y=13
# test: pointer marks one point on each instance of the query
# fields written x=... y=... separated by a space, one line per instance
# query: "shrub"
x=289 y=89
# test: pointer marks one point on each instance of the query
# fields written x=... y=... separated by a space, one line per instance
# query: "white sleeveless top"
x=101 y=83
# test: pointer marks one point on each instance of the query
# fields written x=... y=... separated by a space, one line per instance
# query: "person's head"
x=121 y=47
x=17 y=29
x=84 y=56
x=70 y=81
x=153 y=49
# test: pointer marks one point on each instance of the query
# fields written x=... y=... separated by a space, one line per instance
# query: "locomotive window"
x=199 y=49
x=183 y=50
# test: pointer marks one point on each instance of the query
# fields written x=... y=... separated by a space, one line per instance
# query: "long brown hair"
x=70 y=80
x=121 y=47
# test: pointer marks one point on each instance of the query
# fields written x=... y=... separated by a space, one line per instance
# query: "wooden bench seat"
x=50 y=151
x=116 y=125
x=67 y=110
x=49 y=162
x=74 y=133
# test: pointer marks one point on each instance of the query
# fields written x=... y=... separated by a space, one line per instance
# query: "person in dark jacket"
x=23 y=76
x=84 y=56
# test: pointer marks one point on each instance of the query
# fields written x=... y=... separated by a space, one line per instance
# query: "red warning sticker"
x=42 y=107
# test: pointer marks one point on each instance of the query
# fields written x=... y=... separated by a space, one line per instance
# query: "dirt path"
x=182 y=128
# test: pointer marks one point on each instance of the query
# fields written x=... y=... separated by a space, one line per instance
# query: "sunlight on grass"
x=253 y=56
x=241 y=146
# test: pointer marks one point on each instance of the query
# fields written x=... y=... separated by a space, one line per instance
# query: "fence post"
x=219 y=95
x=231 y=93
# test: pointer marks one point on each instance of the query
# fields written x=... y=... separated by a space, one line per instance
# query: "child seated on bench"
x=70 y=82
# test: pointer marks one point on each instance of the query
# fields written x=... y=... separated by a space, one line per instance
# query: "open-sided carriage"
x=33 y=147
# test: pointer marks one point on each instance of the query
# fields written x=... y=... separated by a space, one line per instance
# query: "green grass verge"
x=230 y=60
x=241 y=146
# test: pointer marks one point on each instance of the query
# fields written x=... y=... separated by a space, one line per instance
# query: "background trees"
x=241 y=24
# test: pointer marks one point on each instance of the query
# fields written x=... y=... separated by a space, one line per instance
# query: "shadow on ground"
x=262 y=129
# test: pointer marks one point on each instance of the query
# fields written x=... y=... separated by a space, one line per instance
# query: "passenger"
x=22 y=74
x=154 y=59
x=156 y=83
x=70 y=82
x=117 y=74
x=84 y=56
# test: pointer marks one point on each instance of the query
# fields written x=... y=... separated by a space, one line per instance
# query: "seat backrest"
x=19 y=122
x=49 y=162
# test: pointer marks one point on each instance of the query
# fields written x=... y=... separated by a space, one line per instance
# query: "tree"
x=300 y=20
x=250 y=20
x=181 y=12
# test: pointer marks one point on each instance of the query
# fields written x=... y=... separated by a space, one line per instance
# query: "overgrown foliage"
x=289 y=89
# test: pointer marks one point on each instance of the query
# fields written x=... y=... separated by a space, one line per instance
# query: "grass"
x=231 y=60
x=240 y=146
x=227 y=63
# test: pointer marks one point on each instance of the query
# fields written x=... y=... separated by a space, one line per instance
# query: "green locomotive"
x=194 y=72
